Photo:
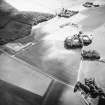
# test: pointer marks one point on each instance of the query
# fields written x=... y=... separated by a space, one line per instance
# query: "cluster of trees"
x=15 y=24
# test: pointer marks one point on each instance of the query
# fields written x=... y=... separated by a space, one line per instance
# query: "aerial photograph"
x=52 y=52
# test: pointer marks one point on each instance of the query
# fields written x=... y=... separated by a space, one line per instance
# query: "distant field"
x=15 y=24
